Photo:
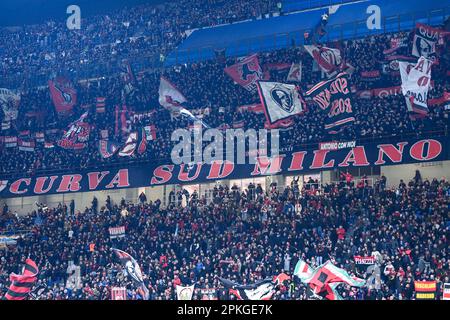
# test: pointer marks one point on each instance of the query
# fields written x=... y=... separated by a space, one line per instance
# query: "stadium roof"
x=24 y=12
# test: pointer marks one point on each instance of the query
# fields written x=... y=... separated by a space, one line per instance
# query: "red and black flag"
x=131 y=267
x=21 y=284
x=64 y=95
x=334 y=97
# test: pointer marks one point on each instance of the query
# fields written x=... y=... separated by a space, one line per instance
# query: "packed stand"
x=240 y=235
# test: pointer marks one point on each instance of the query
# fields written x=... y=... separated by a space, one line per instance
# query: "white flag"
x=416 y=79
x=129 y=146
x=169 y=96
x=295 y=73
x=280 y=100
x=185 y=293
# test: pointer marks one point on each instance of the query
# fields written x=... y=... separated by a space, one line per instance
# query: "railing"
x=390 y=24
x=350 y=30
x=299 y=5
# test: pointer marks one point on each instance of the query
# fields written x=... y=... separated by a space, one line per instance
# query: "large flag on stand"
x=77 y=136
x=185 y=293
x=132 y=269
x=261 y=290
x=63 y=94
x=424 y=43
x=280 y=101
x=323 y=281
x=334 y=97
x=170 y=97
x=416 y=79
x=21 y=284
x=9 y=102
x=246 y=72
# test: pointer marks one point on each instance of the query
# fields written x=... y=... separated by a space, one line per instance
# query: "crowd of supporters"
x=32 y=53
x=241 y=235
x=207 y=87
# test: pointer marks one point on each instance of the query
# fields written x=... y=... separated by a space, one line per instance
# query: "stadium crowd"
x=241 y=235
x=210 y=91
x=32 y=53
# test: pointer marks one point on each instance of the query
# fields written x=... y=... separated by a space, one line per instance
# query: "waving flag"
x=281 y=101
x=130 y=145
x=63 y=94
x=135 y=141
x=246 y=72
x=261 y=290
x=303 y=271
x=416 y=80
x=334 y=97
x=169 y=96
x=323 y=281
x=131 y=267
x=77 y=136
x=22 y=284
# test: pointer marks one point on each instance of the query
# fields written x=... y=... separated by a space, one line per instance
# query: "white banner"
x=185 y=293
x=117 y=232
x=9 y=101
x=416 y=80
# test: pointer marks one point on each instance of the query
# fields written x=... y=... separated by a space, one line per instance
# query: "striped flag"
x=100 y=104
x=21 y=284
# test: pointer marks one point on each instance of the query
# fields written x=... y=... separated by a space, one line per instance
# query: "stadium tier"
x=226 y=150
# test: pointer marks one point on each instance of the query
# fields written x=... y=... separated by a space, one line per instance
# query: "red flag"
x=22 y=284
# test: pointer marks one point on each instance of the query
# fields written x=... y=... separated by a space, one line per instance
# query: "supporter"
x=213 y=239
x=376 y=118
